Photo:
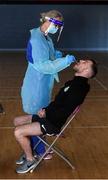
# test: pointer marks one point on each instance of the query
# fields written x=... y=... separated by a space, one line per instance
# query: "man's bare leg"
x=22 y=134
x=26 y=119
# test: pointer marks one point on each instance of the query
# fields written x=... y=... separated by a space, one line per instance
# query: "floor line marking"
x=76 y=127
x=105 y=67
x=101 y=84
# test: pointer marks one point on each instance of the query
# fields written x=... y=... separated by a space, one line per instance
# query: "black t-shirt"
x=68 y=98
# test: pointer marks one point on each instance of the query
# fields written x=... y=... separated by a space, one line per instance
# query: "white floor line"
x=90 y=127
x=101 y=84
x=7 y=88
x=76 y=127
x=97 y=99
x=97 y=96
x=105 y=67
x=10 y=98
x=7 y=127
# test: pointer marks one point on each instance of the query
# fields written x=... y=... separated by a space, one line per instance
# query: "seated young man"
x=51 y=119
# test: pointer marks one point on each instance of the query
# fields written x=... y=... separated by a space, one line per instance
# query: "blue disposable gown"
x=42 y=69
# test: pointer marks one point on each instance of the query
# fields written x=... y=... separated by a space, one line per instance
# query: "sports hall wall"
x=85 y=26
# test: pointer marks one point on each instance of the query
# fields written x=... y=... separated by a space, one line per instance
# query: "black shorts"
x=46 y=127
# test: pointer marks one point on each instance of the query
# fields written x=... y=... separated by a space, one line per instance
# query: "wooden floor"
x=85 y=142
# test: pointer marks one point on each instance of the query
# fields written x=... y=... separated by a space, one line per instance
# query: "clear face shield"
x=54 y=26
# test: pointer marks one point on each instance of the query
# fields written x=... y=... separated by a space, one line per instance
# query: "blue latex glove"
x=58 y=54
x=70 y=58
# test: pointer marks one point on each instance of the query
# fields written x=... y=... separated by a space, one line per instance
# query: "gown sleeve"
x=40 y=59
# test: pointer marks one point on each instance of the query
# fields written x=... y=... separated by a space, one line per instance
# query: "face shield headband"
x=55 y=21
x=58 y=23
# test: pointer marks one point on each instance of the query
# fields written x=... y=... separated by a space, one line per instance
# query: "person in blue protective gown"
x=44 y=63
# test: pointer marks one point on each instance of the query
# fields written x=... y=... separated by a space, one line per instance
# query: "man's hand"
x=41 y=113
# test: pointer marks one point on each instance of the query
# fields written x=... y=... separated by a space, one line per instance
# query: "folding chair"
x=52 y=147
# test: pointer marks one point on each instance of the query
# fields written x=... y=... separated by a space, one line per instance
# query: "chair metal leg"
x=58 y=152
x=38 y=162
x=37 y=144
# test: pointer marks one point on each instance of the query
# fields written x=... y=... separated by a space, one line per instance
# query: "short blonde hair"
x=51 y=14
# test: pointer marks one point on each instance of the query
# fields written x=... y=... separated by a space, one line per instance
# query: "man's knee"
x=15 y=121
x=18 y=132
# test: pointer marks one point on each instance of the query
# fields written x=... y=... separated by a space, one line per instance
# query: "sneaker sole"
x=19 y=163
x=48 y=157
x=23 y=172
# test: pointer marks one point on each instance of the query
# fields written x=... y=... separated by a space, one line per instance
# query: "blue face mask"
x=52 y=29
